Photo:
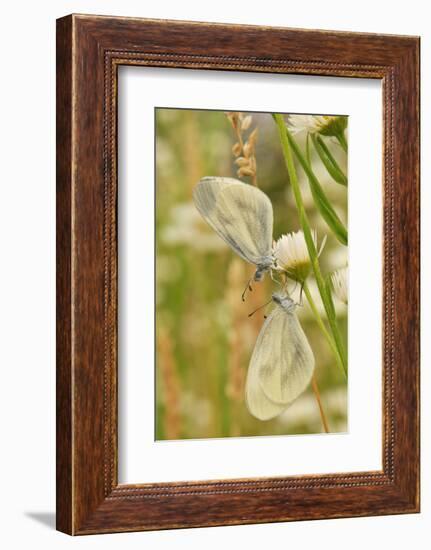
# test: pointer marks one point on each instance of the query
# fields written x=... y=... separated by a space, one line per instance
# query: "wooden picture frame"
x=89 y=52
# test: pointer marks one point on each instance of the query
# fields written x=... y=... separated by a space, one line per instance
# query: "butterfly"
x=241 y=215
x=282 y=362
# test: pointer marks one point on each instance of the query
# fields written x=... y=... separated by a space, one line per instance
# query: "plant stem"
x=312 y=252
x=319 y=403
x=322 y=327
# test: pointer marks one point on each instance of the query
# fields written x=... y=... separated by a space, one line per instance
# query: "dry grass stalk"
x=244 y=149
x=242 y=334
x=236 y=371
x=171 y=386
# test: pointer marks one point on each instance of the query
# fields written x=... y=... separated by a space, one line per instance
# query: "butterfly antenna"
x=260 y=307
x=248 y=287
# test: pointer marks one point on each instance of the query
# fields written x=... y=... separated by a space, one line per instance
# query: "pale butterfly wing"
x=205 y=195
x=286 y=373
x=281 y=366
x=245 y=213
x=240 y=214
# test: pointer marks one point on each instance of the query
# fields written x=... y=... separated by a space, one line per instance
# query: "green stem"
x=321 y=325
x=326 y=297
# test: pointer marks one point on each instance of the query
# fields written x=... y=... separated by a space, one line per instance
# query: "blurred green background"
x=204 y=336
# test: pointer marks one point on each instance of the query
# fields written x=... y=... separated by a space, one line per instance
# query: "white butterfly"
x=282 y=363
x=241 y=215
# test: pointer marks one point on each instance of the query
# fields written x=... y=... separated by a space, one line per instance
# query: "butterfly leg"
x=301 y=290
x=274 y=279
x=293 y=289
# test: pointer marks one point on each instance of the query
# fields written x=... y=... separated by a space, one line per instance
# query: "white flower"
x=340 y=284
x=291 y=255
x=323 y=124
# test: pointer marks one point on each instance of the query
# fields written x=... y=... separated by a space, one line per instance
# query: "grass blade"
x=321 y=200
x=328 y=160
x=312 y=251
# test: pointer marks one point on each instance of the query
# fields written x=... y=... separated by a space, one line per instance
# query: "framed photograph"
x=237 y=274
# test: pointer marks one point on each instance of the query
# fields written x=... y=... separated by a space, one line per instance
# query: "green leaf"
x=328 y=160
x=321 y=200
x=328 y=287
